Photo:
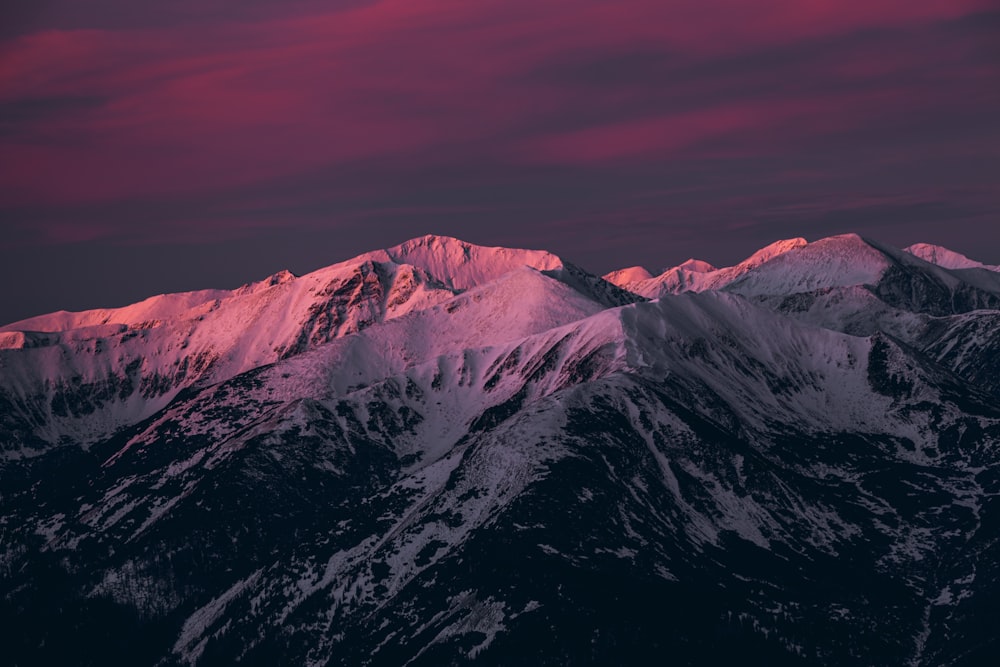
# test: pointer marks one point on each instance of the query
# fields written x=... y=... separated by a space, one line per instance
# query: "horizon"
x=653 y=271
x=153 y=148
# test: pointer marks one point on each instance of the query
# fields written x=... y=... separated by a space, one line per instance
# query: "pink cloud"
x=666 y=134
x=188 y=110
x=739 y=128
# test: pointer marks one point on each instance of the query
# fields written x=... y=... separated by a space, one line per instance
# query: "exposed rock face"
x=447 y=454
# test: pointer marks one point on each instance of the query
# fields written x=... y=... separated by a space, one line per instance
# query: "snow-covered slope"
x=838 y=261
x=446 y=454
x=86 y=382
x=696 y=266
x=946 y=258
x=794 y=273
x=463 y=265
x=83 y=375
x=448 y=261
x=628 y=276
x=697 y=275
x=157 y=308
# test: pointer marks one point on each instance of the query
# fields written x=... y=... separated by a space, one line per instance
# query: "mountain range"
x=442 y=453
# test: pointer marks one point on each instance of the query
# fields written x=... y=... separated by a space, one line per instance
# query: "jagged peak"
x=279 y=278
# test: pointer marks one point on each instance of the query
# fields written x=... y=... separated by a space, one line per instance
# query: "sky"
x=150 y=147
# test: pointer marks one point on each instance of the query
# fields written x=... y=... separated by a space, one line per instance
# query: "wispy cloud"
x=559 y=110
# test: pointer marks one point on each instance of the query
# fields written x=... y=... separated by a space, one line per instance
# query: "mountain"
x=81 y=376
x=442 y=453
x=948 y=259
x=696 y=275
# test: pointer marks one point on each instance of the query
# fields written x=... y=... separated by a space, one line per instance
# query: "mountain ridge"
x=174 y=304
x=446 y=454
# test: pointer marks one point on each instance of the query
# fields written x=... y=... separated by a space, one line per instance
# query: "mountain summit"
x=443 y=453
x=948 y=259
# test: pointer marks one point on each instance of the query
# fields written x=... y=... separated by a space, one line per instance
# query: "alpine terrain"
x=447 y=454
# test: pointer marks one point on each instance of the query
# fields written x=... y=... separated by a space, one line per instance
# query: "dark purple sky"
x=148 y=147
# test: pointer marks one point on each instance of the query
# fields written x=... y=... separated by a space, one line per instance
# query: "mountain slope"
x=83 y=375
x=792 y=267
x=697 y=275
x=943 y=257
x=797 y=467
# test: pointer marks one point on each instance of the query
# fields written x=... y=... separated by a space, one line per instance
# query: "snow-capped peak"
x=696 y=275
x=945 y=258
x=696 y=266
x=437 y=399
x=279 y=278
x=454 y=263
x=790 y=267
x=627 y=276
x=167 y=343
x=462 y=265
x=769 y=252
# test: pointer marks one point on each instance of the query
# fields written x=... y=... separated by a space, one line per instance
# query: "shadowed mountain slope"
x=448 y=454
